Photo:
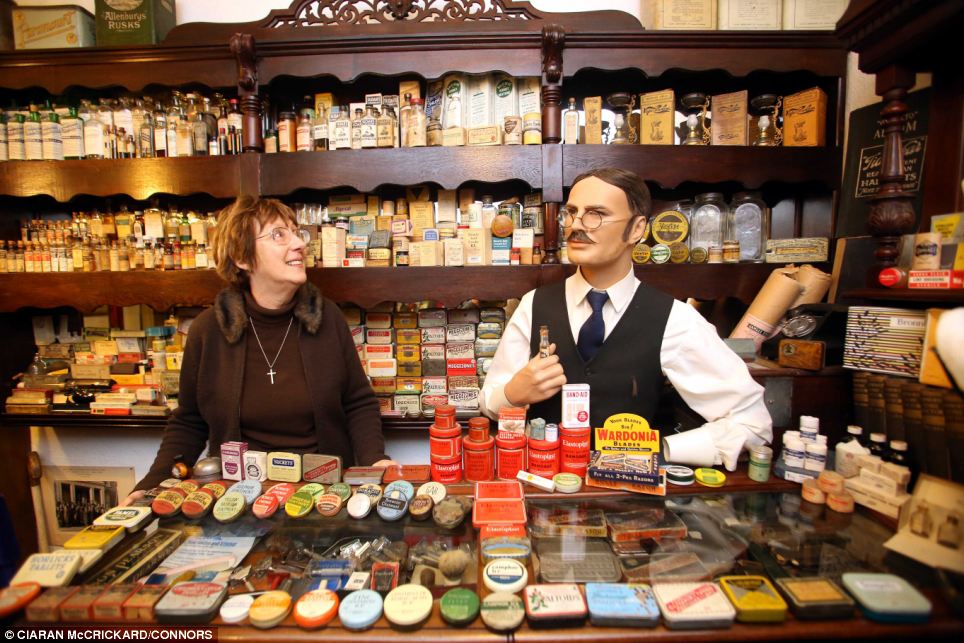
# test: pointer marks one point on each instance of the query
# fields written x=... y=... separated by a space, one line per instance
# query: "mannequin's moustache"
x=580 y=236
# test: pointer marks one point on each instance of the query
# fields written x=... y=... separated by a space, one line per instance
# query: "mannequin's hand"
x=538 y=380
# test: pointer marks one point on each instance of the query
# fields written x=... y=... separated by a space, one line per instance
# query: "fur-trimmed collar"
x=233 y=319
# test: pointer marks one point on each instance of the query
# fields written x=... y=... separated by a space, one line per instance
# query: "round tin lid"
x=16 y=597
x=197 y=504
x=359 y=506
x=459 y=606
x=670 y=226
x=217 y=488
x=698 y=255
x=710 y=477
x=660 y=253
x=567 y=482
x=392 y=507
x=250 y=489
x=300 y=504
x=408 y=605
x=502 y=611
x=168 y=483
x=448 y=514
x=236 y=608
x=282 y=491
x=316 y=608
x=229 y=507
x=403 y=486
x=269 y=609
x=328 y=504
x=505 y=575
x=313 y=488
x=187 y=485
x=265 y=506
x=434 y=489
x=341 y=490
x=167 y=503
x=679 y=475
x=371 y=490
x=360 y=610
x=421 y=507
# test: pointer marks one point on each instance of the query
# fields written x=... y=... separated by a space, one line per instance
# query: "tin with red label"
x=574 y=451
x=444 y=417
x=444 y=441
x=479 y=451
x=447 y=470
x=510 y=457
x=543 y=458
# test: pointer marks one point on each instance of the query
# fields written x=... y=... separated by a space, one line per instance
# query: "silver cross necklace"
x=271 y=371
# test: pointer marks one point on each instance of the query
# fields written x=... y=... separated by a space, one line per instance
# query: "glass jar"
x=706 y=222
x=287 y=132
x=748 y=222
x=761 y=457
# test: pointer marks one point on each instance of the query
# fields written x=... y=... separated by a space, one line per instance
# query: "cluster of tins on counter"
x=658 y=118
x=708 y=230
x=150 y=239
x=622 y=563
x=126 y=127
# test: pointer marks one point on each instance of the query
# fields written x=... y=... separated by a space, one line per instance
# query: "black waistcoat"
x=625 y=375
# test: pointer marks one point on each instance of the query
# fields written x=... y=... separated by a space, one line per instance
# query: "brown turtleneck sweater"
x=275 y=417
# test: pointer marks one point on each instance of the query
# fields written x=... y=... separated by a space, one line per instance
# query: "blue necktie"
x=593 y=332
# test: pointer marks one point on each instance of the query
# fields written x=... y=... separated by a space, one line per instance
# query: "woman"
x=272 y=363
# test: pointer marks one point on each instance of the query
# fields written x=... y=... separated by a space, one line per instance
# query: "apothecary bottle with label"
x=748 y=223
x=706 y=222
x=72 y=133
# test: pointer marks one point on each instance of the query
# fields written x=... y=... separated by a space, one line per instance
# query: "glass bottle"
x=145 y=137
x=235 y=118
x=356 y=129
x=706 y=223
x=123 y=256
x=72 y=134
x=488 y=211
x=4 y=148
x=148 y=256
x=369 y=128
x=184 y=132
x=160 y=131
x=176 y=255
x=385 y=134
x=201 y=257
x=172 y=136
x=339 y=137
x=921 y=522
x=417 y=124
x=319 y=130
x=271 y=141
x=570 y=121
x=433 y=133
x=139 y=111
x=287 y=134
x=104 y=112
x=304 y=139
x=748 y=223
x=403 y=117
x=77 y=255
x=949 y=533
x=199 y=134
x=33 y=137
x=184 y=228
x=123 y=115
x=3 y=256
x=52 y=143
x=16 y=148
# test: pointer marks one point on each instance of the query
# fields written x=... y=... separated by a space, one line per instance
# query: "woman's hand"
x=385 y=463
x=132 y=498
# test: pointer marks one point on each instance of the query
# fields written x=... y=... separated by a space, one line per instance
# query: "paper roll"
x=693 y=448
x=815 y=284
x=768 y=307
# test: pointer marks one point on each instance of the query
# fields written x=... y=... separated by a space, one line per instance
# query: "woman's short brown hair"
x=233 y=241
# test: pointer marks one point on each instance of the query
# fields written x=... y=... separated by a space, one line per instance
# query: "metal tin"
x=408 y=605
x=575 y=450
x=190 y=602
x=360 y=610
x=447 y=470
x=229 y=507
x=459 y=606
x=300 y=504
x=755 y=599
x=403 y=487
x=341 y=490
x=694 y=605
x=556 y=605
x=621 y=605
x=421 y=507
x=250 y=489
x=316 y=608
x=710 y=477
x=328 y=504
x=269 y=609
x=505 y=575
x=641 y=253
x=502 y=611
x=815 y=598
x=236 y=608
x=679 y=475
x=543 y=457
x=392 y=507
x=887 y=598
x=660 y=253
x=359 y=505
x=567 y=482
x=265 y=506
x=371 y=490
x=669 y=226
x=130 y=518
x=197 y=504
x=435 y=490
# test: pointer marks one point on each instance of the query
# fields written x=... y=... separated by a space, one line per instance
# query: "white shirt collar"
x=620 y=293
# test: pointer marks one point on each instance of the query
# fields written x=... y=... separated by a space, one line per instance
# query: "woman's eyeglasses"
x=282 y=236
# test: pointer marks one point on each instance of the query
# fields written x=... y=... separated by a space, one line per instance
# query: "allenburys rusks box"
x=133 y=22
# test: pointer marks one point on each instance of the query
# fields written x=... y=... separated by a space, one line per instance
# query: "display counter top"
x=693 y=537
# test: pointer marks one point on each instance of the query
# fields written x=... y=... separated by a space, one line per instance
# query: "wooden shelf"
x=935 y=296
x=366 y=170
x=752 y=167
x=130 y=422
x=448 y=287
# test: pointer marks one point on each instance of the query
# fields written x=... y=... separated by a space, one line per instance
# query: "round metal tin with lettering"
x=265 y=506
x=502 y=611
x=459 y=606
x=167 y=503
x=660 y=253
x=421 y=507
x=316 y=608
x=314 y=489
x=236 y=608
x=269 y=609
x=505 y=575
x=371 y=490
x=670 y=226
x=360 y=610
x=679 y=475
x=328 y=504
x=392 y=507
x=197 y=504
x=678 y=252
x=229 y=507
x=698 y=255
x=402 y=486
x=567 y=482
x=188 y=486
x=282 y=491
x=341 y=490
x=217 y=488
x=299 y=504
x=641 y=253
x=710 y=477
x=250 y=489
x=436 y=490
x=408 y=605
x=449 y=513
x=359 y=506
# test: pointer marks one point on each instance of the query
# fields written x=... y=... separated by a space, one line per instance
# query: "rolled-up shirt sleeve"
x=715 y=383
x=510 y=357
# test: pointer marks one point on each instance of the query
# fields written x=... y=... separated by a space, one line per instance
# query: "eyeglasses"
x=591 y=220
x=282 y=236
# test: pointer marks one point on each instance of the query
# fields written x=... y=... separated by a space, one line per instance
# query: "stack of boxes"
x=420 y=360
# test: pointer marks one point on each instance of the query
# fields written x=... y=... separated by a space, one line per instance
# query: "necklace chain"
x=271 y=371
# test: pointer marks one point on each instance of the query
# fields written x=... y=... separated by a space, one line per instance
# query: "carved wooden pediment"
x=324 y=13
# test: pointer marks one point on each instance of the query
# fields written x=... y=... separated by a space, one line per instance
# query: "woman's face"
x=280 y=257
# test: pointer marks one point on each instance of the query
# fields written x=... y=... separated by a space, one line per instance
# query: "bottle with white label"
x=571 y=124
x=369 y=128
x=4 y=153
x=235 y=117
x=185 y=138
x=15 y=144
x=94 y=139
x=72 y=134
x=319 y=130
x=33 y=137
x=340 y=134
x=160 y=132
x=172 y=138
x=145 y=137
x=52 y=142
x=356 y=129
x=304 y=140
x=123 y=115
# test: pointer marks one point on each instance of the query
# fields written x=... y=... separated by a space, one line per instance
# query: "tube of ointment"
x=695 y=448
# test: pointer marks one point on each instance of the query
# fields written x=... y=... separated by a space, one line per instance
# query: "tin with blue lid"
x=622 y=605
x=360 y=610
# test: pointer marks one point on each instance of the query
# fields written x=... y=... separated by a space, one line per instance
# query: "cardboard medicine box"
x=133 y=22
x=53 y=27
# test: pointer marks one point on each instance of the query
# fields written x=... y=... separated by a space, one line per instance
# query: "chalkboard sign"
x=865 y=150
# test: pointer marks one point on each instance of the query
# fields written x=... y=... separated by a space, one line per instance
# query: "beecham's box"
x=53 y=27
x=133 y=22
